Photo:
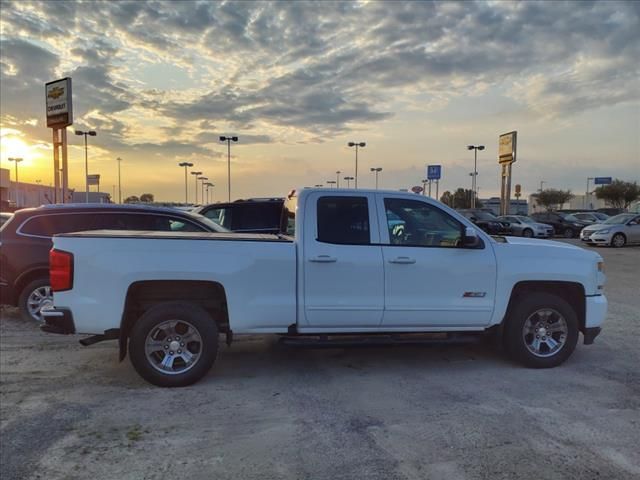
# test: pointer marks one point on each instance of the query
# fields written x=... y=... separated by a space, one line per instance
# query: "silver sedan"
x=524 y=226
x=617 y=231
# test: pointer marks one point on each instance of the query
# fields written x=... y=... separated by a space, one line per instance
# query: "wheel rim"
x=173 y=347
x=545 y=332
x=528 y=233
x=618 y=240
x=568 y=233
x=38 y=299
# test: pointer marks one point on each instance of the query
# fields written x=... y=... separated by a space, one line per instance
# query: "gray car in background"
x=617 y=231
x=523 y=226
x=591 y=217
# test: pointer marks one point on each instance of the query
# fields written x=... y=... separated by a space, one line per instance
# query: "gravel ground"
x=269 y=411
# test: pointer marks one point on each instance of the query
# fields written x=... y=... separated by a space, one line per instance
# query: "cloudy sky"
x=417 y=81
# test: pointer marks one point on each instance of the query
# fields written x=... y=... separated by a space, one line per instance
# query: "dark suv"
x=255 y=215
x=487 y=221
x=564 y=224
x=25 y=241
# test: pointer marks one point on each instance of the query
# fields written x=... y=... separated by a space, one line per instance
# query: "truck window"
x=418 y=224
x=343 y=220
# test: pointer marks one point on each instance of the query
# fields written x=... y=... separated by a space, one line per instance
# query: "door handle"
x=403 y=260
x=323 y=259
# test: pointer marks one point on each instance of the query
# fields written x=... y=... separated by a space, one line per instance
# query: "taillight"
x=60 y=270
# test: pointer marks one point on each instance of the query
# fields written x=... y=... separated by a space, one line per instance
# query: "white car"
x=617 y=231
x=341 y=266
x=523 y=226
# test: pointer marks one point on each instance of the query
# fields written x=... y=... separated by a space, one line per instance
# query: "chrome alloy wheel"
x=38 y=299
x=545 y=332
x=173 y=347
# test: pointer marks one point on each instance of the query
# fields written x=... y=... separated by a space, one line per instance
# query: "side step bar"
x=332 y=341
x=112 y=334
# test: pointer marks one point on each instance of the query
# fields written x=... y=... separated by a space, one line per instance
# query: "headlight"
x=606 y=230
x=578 y=225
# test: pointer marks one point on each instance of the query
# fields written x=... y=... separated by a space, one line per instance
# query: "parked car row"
x=616 y=231
x=26 y=241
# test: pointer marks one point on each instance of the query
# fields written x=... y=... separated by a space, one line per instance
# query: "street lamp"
x=474 y=182
x=348 y=179
x=196 y=175
x=356 y=144
x=119 y=181
x=90 y=133
x=377 y=170
x=338 y=178
x=331 y=182
x=228 y=140
x=209 y=184
x=17 y=160
x=203 y=179
x=185 y=165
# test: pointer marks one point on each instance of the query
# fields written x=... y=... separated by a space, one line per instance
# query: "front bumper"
x=57 y=320
x=595 y=237
x=596 y=312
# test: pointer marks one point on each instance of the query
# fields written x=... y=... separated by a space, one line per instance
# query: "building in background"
x=94 y=197
x=516 y=207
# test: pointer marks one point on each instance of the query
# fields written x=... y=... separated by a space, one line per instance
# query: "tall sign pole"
x=59 y=107
x=506 y=157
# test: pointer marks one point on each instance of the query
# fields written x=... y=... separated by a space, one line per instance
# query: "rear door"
x=343 y=281
x=430 y=280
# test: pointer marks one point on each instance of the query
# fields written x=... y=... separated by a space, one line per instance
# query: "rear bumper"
x=57 y=320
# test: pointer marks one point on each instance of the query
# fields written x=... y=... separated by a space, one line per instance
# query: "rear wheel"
x=173 y=344
x=568 y=233
x=541 y=331
x=527 y=233
x=36 y=295
x=618 y=240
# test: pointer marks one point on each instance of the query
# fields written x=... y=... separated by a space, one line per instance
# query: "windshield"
x=619 y=219
x=568 y=217
x=526 y=219
x=209 y=223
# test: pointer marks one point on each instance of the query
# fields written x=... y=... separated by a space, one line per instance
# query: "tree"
x=131 y=199
x=447 y=198
x=146 y=197
x=462 y=198
x=619 y=194
x=551 y=197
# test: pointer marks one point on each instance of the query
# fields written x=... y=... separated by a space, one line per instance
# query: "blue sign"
x=602 y=180
x=434 y=172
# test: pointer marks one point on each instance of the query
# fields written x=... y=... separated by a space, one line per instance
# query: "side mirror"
x=470 y=239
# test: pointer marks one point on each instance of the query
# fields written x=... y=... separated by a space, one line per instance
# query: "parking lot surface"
x=270 y=411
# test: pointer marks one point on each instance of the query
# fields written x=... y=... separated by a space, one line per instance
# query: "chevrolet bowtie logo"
x=55 y=92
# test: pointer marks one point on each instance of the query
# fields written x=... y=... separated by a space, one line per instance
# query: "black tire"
x=618 y=240
x=527 y=232
x=184 y=313
x=38 y=284
x=525 y=307
x=568 y=233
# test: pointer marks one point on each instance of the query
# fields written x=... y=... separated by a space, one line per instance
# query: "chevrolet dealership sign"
x=59 y=103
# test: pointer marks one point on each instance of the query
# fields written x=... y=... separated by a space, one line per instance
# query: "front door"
x=343 y=281
x=430 y=280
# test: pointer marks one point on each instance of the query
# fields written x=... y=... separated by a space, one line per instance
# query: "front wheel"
x=527 y=233
x=541 y=331
x=568 y=233
x=173 y=344
x=618 y=240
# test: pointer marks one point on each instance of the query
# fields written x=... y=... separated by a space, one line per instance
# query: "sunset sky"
x=417 y=81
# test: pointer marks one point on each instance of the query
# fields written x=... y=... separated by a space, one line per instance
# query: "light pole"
x=331 y=182
x=338 y=178
x=361 y=145
x=542 y=182
x=228 y=140
x=186 y=192
x=119 y=181
x=377 y=170
x=17 y=160
x=90 y=133
x=586 y=193
x=202 y=179
x=209 y=184
x=195 y=174
x=348 y=179
x=474 y=181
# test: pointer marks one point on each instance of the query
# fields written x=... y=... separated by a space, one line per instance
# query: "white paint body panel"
x=271 y=285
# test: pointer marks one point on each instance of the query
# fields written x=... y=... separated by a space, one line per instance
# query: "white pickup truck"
x=347 y=262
